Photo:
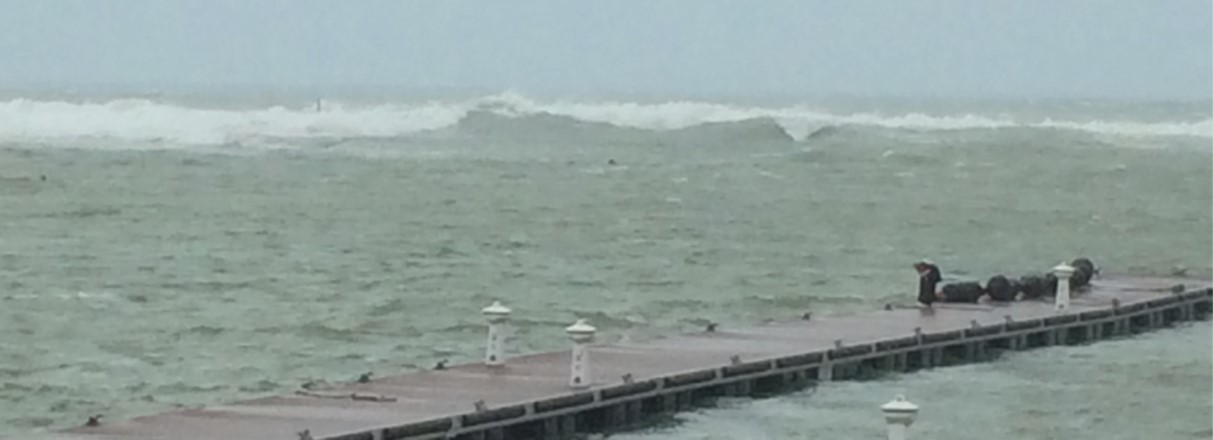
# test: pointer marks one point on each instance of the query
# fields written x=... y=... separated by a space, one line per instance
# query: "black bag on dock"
x=1000 y=289
x=1084 y=270
x=1050 y=284
x=963 y=292
x=1033 y=286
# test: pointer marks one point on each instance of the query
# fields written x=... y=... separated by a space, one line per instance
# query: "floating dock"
x=530 y=397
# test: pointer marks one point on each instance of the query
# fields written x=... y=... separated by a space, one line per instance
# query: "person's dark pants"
x=926 y=296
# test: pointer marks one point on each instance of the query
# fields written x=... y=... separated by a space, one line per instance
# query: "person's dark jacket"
x=927 y=280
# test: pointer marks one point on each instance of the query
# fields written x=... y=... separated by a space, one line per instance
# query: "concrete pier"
x=530 y=397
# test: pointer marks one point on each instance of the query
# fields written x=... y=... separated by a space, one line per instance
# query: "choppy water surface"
x=221 y=260
x=1153 y=386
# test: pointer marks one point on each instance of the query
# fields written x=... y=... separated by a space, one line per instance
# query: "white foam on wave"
x=799 y=121
x=141 y=120
x=147 y=121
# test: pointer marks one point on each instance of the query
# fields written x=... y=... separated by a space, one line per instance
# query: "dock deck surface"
x=432 y=394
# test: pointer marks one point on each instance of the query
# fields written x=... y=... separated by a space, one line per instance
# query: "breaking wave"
x=552 y=127
x=508 y=115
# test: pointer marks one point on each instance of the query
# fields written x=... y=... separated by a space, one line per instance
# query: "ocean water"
x=1153 y=386
x=164 y=251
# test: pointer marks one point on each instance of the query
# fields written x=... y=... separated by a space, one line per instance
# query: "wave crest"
x=549 y=127
x=508 y=115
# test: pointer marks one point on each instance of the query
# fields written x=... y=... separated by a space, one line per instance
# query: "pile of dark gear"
x=1000 y=288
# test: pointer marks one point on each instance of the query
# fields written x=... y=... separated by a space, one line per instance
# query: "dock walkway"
x=530 y=397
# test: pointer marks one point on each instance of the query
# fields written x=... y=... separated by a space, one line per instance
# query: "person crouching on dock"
x=928 y=278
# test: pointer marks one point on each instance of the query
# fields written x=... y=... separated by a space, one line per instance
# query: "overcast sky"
x=952 y=48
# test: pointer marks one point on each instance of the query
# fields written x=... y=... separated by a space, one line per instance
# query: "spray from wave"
x=149 y=121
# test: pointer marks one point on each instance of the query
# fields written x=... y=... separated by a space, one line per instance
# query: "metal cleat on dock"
x=311 y=384
x=372 y=397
